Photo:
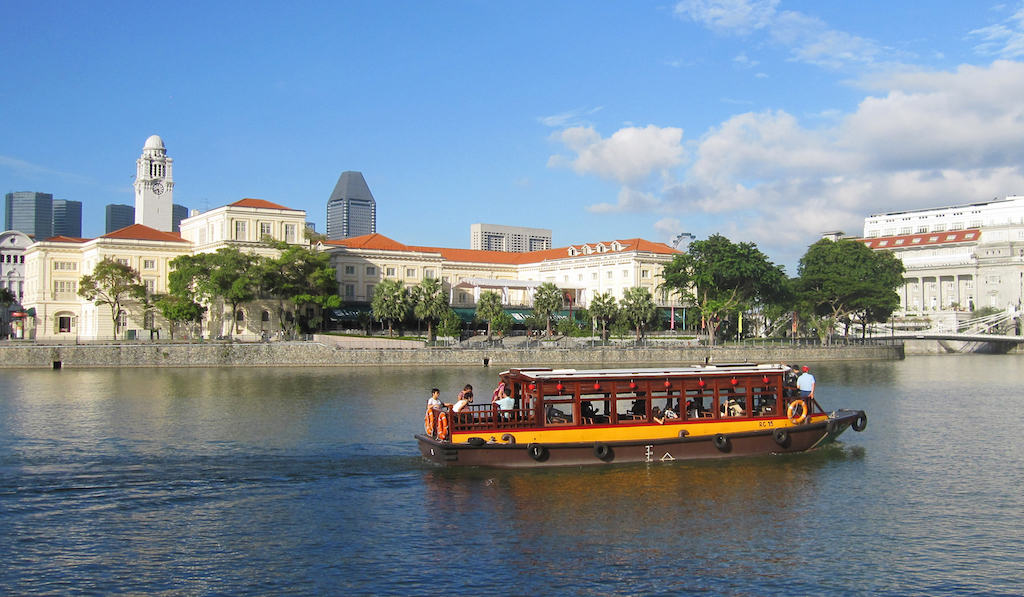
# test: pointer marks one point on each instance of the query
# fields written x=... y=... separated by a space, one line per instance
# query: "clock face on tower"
x=158 y=187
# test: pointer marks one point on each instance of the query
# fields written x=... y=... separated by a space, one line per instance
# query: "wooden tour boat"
x=572 y=417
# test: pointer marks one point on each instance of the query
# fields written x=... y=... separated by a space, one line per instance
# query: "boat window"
x=558 y=410
x=666 y=399
x=631 y=406
x=699 y=403
x=765 y=397
x=732 y=399
x=594 y=409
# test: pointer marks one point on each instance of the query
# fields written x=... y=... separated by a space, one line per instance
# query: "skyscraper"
x=351 y=209
x=178 y=213
x=67 y=218
x=119 y=216
x=513 y=239
x=30 y=212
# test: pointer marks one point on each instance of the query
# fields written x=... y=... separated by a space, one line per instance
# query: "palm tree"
x=546 y=300
x=604 y=309
x=488 y=307
x=430 y=303
x=391 y=302
x=638 y=308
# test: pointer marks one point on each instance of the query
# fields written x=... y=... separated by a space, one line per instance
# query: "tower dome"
x=154 y=142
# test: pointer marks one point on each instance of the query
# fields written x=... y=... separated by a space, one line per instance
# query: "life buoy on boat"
x=429 y=420
x=508 y=438
x=721 y=441
x=602 y=451
x=792 y=411
x=537 y=452
x=442 y=426
x=781 y=437
x=861 y=422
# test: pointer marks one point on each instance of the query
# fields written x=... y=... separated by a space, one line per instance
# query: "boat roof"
x=642 y=372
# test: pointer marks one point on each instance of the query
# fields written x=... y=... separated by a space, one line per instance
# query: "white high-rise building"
x=511 y=239
x=154 y=186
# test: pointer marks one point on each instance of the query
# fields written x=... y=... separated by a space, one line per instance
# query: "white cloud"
x=574 y=117
x=932 y=138
x=629 y=156
x=1005 y=39
x=809 y=39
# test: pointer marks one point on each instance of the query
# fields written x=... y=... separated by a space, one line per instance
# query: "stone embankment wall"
x=296 y=354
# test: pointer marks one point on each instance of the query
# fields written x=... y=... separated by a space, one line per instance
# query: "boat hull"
x=797 y=438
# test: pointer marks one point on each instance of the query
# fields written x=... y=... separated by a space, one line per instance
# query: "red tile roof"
x=140 y=232
x=260 y=203
x=382 y=243
x=927 y=238
x=67 y=239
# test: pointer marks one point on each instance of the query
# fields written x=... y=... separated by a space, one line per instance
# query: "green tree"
x=430 y=303
x=114 y=284
x=605 y=309
x=720 y=277
x=638 y=309
x=488 y=307
x=233 y=277
x=547 y=299
x=390 y=302
x=844 y=280
x=180 y=311
x=450 y=324
x=302 y=276
x=502 y=323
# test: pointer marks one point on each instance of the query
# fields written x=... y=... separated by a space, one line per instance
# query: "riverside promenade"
x=324 y=352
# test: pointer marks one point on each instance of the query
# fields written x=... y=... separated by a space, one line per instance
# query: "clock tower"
x=154 y=186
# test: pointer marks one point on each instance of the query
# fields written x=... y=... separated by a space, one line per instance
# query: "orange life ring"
x=796 y=420
x=429 y=422
x=442 y=426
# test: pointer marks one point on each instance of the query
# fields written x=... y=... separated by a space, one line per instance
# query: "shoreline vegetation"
x=329 y=351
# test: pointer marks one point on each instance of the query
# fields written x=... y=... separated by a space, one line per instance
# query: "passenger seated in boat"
x=556 y=416
x=434 y=401
x=660 y=416
x=639 y=408
x=732 y=408
x=465 y=397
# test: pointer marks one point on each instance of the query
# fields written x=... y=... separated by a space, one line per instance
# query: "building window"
x=149 y=264
x=264 y=229
x=410 y=272
x=350 y=270
x=289 y=233
x=239 y=315
x=390 y=271
x=369 y=291
x=150 y=285
x=645 y=273
x=428 y=273
x=62 y=286
x=240 y=231
x=609 y=274
x=58 y=266
x=64 y=324
x=121 y=261
x=593 y=276
x=350 y=290
x=265 y=316
x=371 y=271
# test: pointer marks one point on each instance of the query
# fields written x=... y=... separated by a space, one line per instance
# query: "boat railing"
x=489 y=416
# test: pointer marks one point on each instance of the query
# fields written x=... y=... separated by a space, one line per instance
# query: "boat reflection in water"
x=574 y=417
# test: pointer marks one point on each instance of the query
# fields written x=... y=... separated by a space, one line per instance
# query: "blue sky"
x=767 y=121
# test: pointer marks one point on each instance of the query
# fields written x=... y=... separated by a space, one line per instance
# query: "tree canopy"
x=488 y=308
x=720 y=277
x=390 y=302
x=114 y=284
x=638 y=309
x=547 y=299
x=604 y=309
x=430 y=303
x=845 y=280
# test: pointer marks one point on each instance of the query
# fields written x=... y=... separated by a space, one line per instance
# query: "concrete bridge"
x=950 y=332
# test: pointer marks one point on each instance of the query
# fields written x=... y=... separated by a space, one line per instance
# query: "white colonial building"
x=580 y=271
x=961 y=257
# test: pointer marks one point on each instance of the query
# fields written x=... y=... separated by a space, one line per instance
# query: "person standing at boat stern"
x=805 y=383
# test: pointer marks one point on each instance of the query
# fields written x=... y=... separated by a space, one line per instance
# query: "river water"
x=272 y=481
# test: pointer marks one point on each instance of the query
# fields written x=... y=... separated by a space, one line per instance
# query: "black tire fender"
x=537 y=452
x=781 y=437
x=602 y=451
x=861 y=422
x=476 y=441
x=721 y=441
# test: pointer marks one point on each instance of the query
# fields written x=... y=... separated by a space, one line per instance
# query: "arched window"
x=239 y=315
x=265 y=317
